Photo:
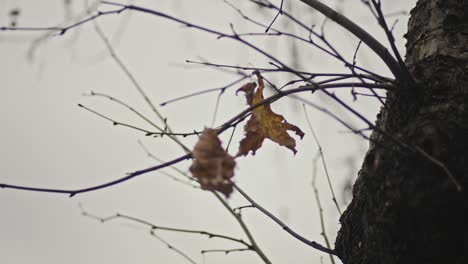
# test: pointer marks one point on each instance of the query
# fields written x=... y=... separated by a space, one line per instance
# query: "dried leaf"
x=212 y=165
x=264 y=123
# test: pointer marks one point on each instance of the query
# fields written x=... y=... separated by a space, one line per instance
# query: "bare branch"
x=330 y=51
x=383 y=23
x=441 y=165
x=322 y=156
x=74 y=192
x=152 y=233
x=171 y=247
x=220 y=89
x=361 y=34
x=285 y=227
x=176 y=179
x=152 y=156
x=319 y=204
x=253 y=244
x=137 y=85
x=231 y=122
x=225 y=251
x=244 y=227
x=280 y=12
x=63 y=30
x=163 y=228
x=147 y=132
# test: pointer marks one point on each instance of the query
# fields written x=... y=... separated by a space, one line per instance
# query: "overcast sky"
x=48 y=141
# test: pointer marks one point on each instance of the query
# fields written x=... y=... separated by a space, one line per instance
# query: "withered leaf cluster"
x=214 y=167
x=264 y=123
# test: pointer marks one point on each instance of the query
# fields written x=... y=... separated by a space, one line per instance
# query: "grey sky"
x=47 y=141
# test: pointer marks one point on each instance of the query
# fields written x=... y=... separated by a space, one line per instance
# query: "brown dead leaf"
x=264 y=123
x=212 y=165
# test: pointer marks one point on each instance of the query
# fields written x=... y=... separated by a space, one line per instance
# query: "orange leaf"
x=264 y=123
x=212 y=165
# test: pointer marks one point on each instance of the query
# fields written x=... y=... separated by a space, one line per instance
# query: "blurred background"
x=48 y=141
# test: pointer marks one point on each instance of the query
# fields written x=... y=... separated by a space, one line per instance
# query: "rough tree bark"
x=406 y=209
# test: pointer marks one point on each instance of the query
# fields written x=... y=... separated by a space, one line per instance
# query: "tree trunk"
x=406 y=208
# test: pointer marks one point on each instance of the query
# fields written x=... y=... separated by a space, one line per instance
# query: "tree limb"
x=361 y=34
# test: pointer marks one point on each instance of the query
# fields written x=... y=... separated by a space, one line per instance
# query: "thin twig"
x=73 y=192
x=222 y=88
x=442 y=166
x=330 y=51
x=63 y=30
x=285 y=227
x=369 y=95
x=172 y=247
x=225 y=251
x=243 y=207
x=152 y=233
x=356 y=52
x=231 y=122
x=361 y=79
x=245 y=68
x=280 y=12
x=263 y=70
x=216 y=108
x=383 y=23
x=319 y=204
x=163 y=228
x=230 y=138
x=125 y=105
x=244 y=227
x=253 y=244
x=322 y=156
x=361 y=34
x=176 y=179
x=152 y=156
x=147 y=132
x=137 y=85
